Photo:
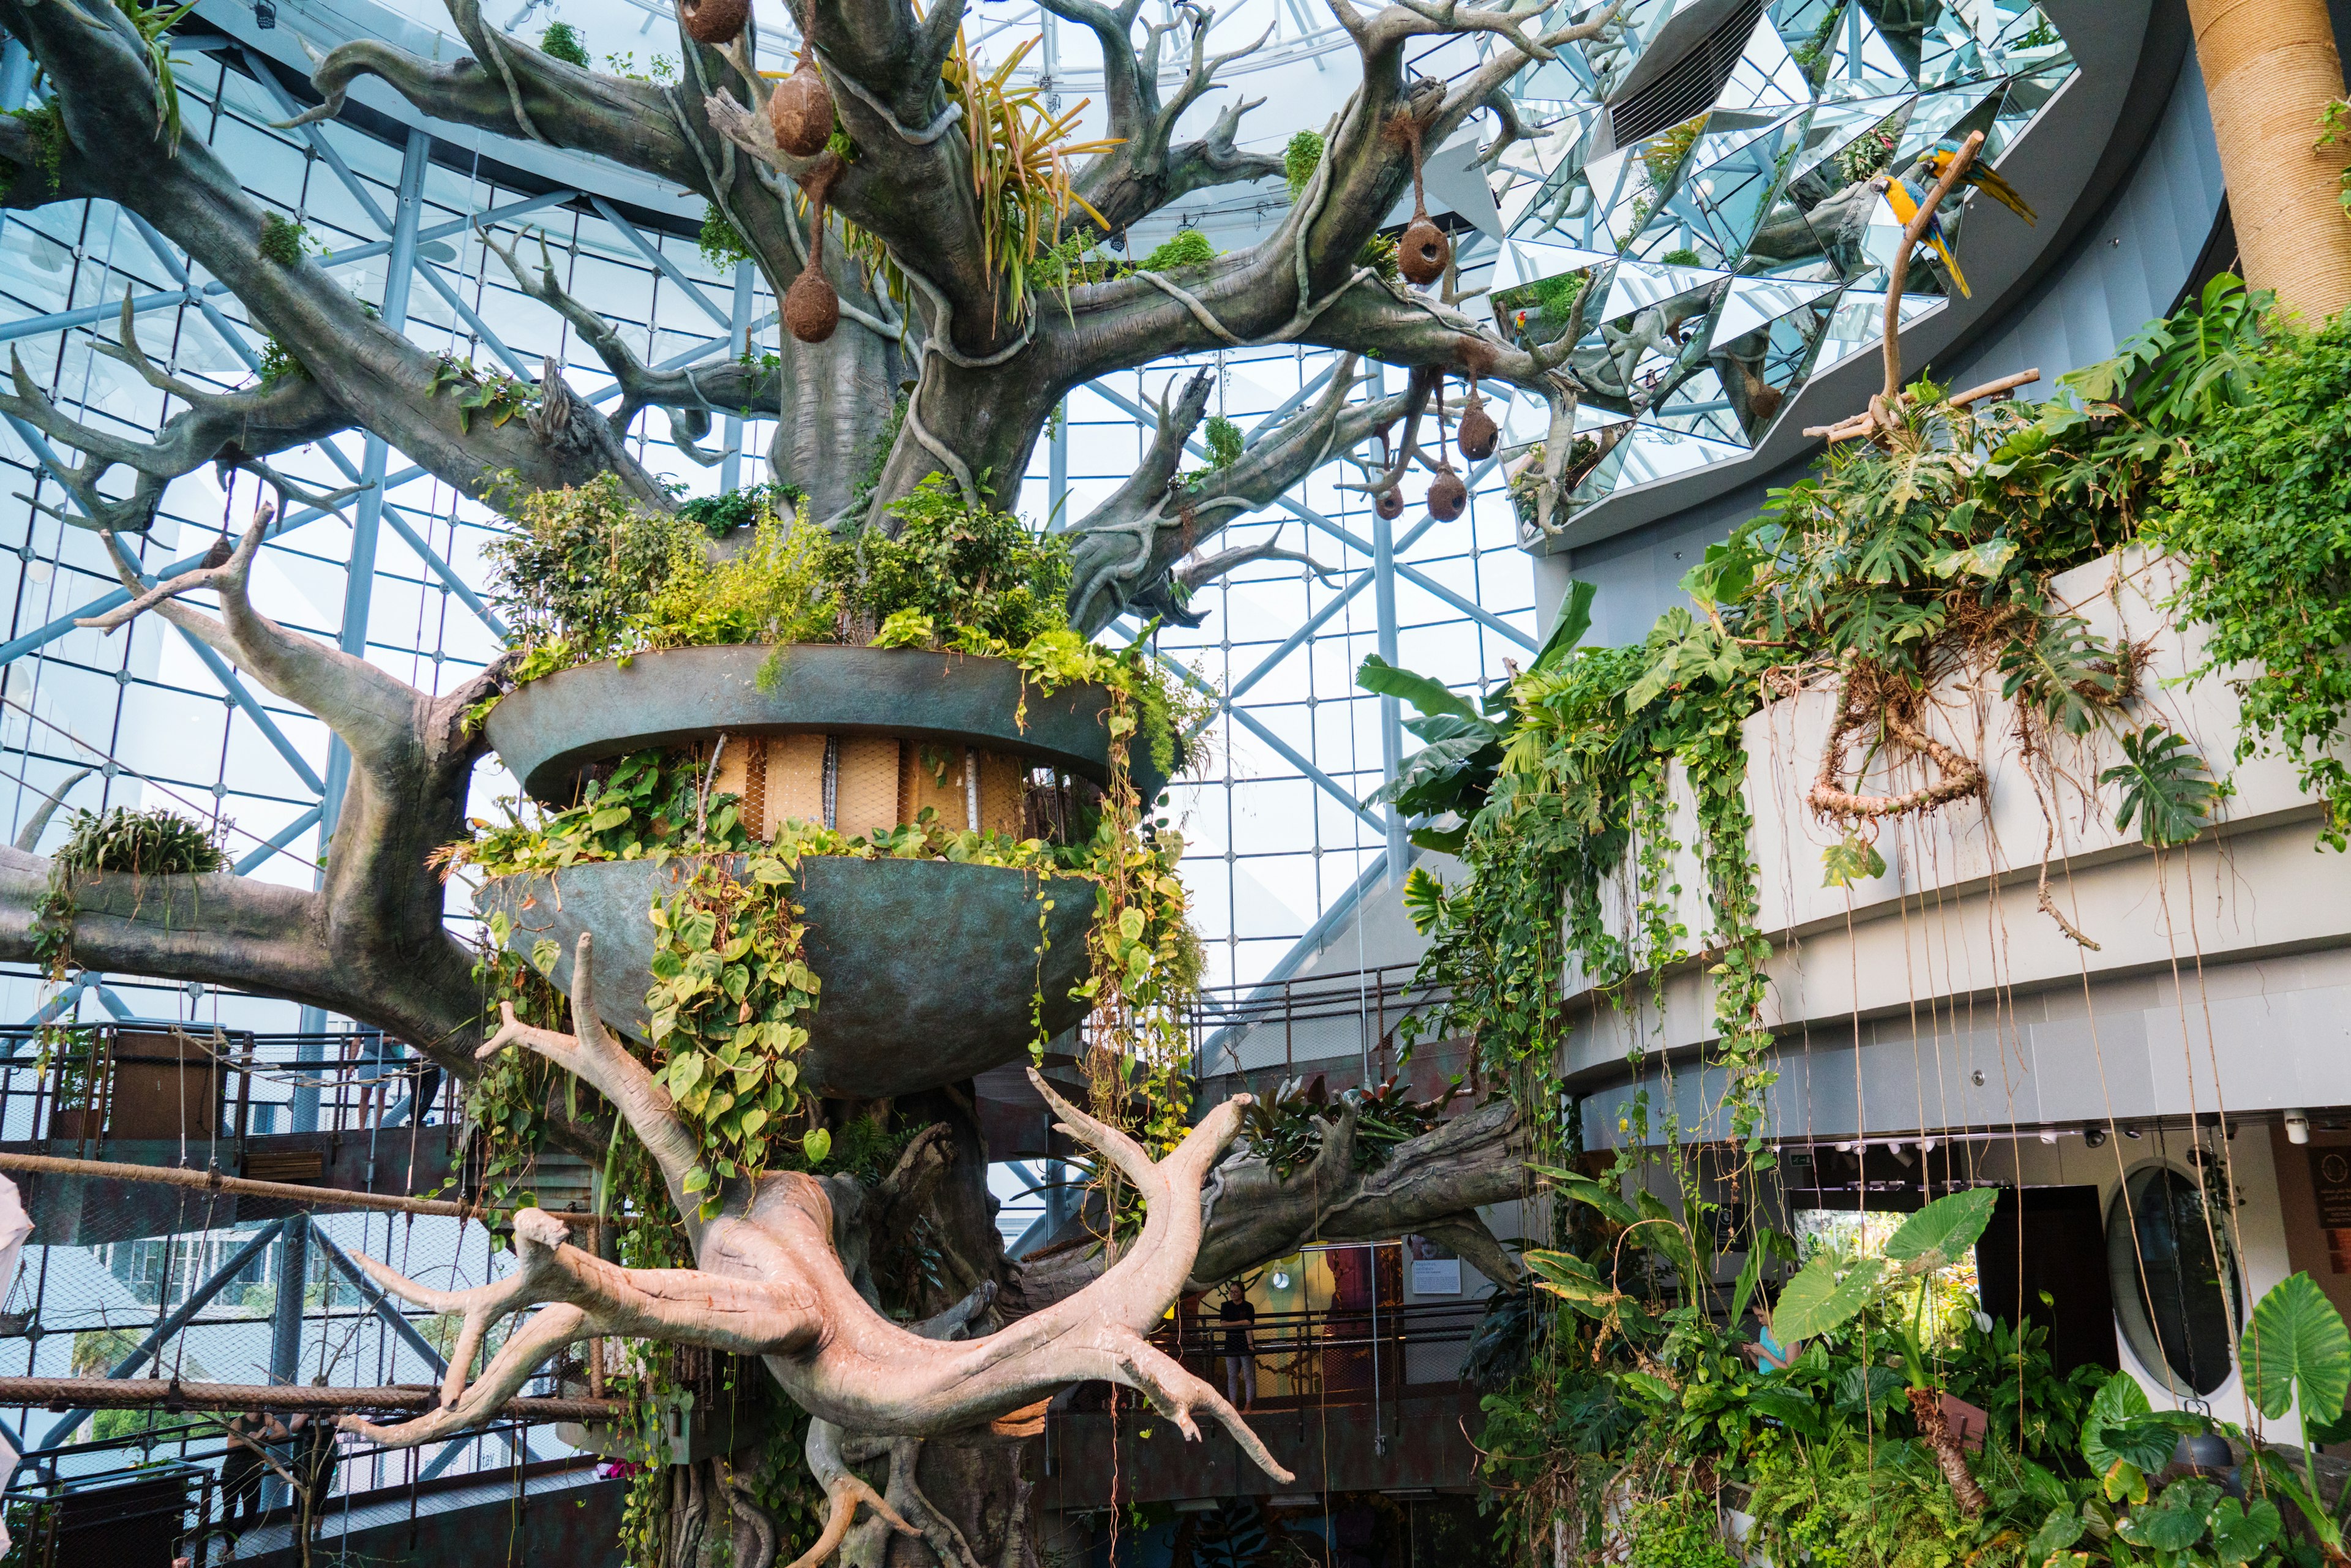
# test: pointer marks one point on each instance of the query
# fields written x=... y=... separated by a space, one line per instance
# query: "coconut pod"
x=715 y=22
x=1477 y=433
x=801 y=112
x=1424 y=252
x=1447 y=497
x=812 y=309
x=1389 y=504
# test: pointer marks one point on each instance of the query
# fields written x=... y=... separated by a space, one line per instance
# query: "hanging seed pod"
x=1424 y=253
x=1389 y=504
x=1476 y=433
x=1447 y=496
x=800 y=111
x=715 y=22
x=811 y=308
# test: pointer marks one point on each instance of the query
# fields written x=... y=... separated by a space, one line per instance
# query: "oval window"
x=2176 y=1302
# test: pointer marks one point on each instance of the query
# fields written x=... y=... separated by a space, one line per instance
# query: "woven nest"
x=1447 y=497
x=1424 y=252
x=801 y=112
x=714 y=21
x=1478 y=432
x=812 y=309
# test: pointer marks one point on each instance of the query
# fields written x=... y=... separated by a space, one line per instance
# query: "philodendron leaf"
x=1940 y=1234
x=2119 y=1400
x=1817 y=1300
x=1570 y=1279
x=817 y=1143
x=2240 y=1533
x=2297 y=1340
x=2059 y=1531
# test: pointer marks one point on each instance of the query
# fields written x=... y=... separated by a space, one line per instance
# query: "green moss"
x=1299 y=159
x=721 y=243
x=46 y=127
x=277 y=361
x=283 y=242
x=1224 y=442
x=1185 y=248
x=719 y=515
x=562 y=41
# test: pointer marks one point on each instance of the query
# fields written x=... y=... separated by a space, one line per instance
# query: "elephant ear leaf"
x=1424 y=693
x=2119 y=1401
x=1574 y=620
x=1940 y=1234
x=2296 y=1339
x=1817 y=1300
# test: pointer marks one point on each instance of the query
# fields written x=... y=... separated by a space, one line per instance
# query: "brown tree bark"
x=2270 y=70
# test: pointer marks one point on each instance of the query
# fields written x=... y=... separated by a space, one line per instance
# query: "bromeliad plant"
x=1287 y=1127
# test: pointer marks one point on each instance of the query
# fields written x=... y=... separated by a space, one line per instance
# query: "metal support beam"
x=738 y=342
x=669 y=269
x=1383 y=611
x=359 y=584
x=1282 y=748
x=278 y=841
x=1057 y=484
x=444 y=570
x=286 y=1320
x=242 y=698
x=198 y=1299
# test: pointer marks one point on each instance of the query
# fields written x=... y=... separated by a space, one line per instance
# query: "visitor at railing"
x=1240 y=1364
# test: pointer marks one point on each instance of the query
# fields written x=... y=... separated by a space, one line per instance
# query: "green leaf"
x=1584 y=1189
x=1851 y=860
x=2119 y=1399
x=1940 y=1233
x=2296 y=1344
x=1574 y=620
x=2241 y=1533
x=1817 y=1300
x=2059 y=1531
x=1424 y=899
x=2163 y=784
x=2177 y=1520
x=1423 y=692
x=1570 y=1279
x=609 y=817
x=2147 y=1442
x=817 y=1144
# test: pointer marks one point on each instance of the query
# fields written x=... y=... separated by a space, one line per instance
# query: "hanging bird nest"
x=1448 y=497
x=800 y=111
x=1424 y=253
x=1389 y=504
x=715 y=22
x=1477 y=433
x=811 y=308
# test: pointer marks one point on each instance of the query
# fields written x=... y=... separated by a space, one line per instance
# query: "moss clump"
x=1299 y=159
x=1185 y=248
x=283 y=241
x=721 y=243
x=46 y=127
x=277 y=361
x=720 y=514
x=561 y=41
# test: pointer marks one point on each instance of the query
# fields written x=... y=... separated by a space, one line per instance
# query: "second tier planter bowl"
x=931 y=969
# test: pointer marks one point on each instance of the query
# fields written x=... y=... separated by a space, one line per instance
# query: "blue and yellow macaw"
x=1905 y=198
x=1903 y=193
x=1980 y=176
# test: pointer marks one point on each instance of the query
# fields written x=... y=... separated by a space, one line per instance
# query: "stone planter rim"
x=549 y=728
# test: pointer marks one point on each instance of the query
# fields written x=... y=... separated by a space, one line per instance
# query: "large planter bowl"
x=928 y=967
x=550 y=728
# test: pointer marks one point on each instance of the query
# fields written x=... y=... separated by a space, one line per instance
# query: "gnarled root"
x=771 y=1285
x=1861 y=695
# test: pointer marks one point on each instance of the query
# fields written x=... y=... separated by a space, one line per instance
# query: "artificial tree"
x=988 y=360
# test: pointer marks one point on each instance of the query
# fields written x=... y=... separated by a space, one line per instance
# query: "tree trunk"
x=2270 y=70
x=1927 y=1405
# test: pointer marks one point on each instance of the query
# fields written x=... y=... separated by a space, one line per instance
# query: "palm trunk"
x=1927 y=1405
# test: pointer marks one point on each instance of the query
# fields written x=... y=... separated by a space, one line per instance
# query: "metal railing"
x=78 y=1089
x=1375 y=999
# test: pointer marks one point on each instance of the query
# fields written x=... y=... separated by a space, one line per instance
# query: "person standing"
x=241 y=1469
x=313 y=1462
x=1240 y=1363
